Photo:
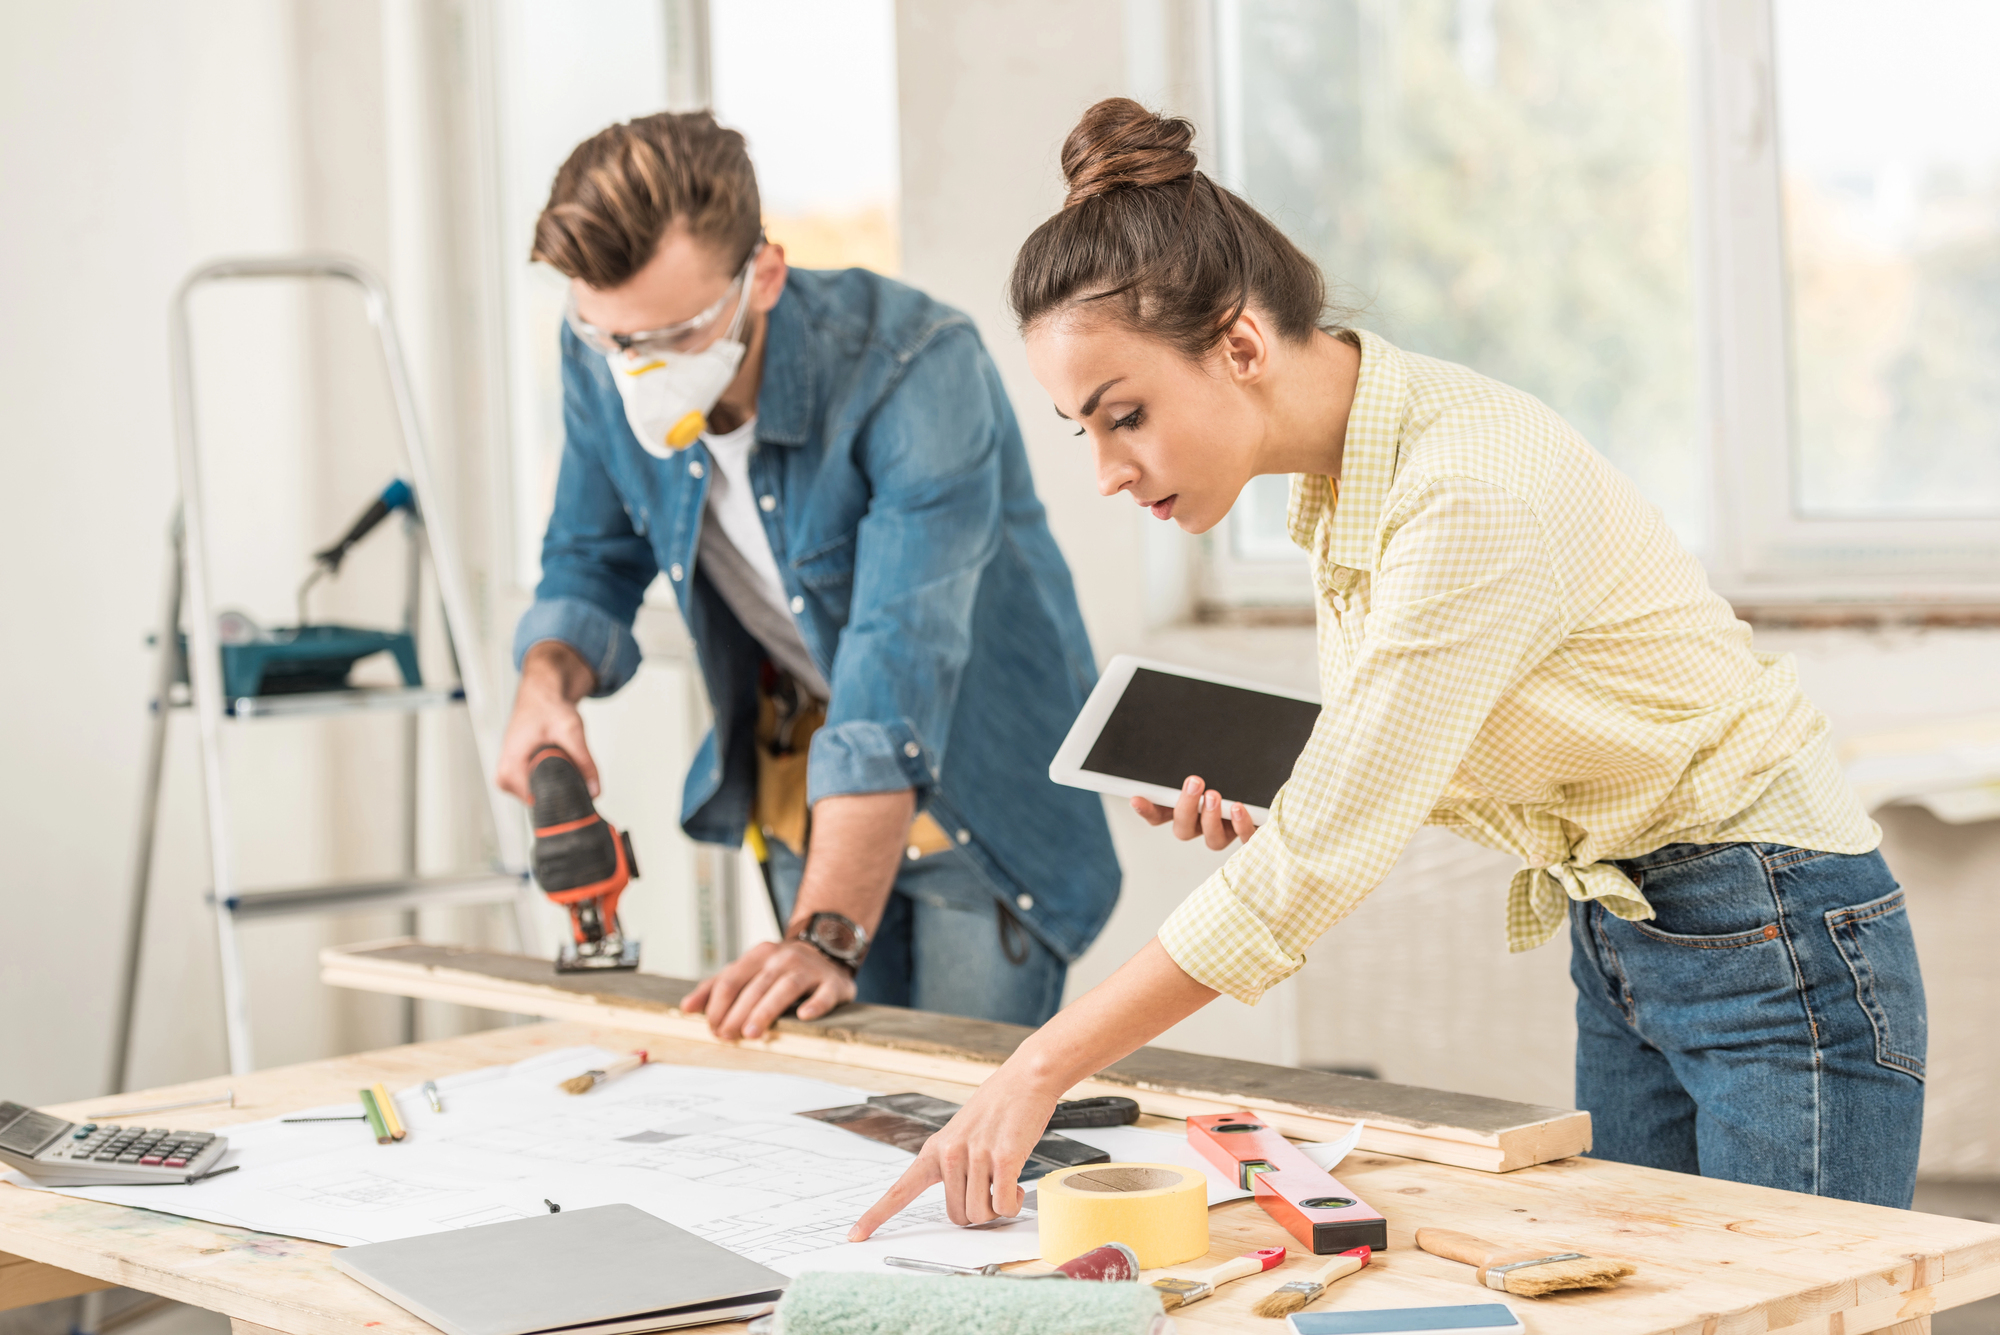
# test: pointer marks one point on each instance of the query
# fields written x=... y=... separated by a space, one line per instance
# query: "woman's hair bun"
x=1119 y=144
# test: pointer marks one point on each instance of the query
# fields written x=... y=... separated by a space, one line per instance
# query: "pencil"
x=375 y=1122
x=388 y=1107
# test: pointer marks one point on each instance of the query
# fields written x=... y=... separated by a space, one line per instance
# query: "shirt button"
x=965 y=836
x=674 y=570
x=695 y=469
x=913 y=852
x=912 y=750
x=1024 y=902
x=798 y=605
x=767 y=503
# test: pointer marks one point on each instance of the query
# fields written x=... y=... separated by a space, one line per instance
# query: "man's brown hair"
x=623 y=187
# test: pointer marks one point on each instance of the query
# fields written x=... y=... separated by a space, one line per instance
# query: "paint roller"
x=846 y=1303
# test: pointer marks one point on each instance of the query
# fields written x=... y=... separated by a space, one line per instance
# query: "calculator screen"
x=30 y=1131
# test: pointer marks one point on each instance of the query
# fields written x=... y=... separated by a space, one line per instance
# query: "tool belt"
x=787 y=717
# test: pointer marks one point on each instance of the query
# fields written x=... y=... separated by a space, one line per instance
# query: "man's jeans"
x=1767 y=1026
x=945 y=943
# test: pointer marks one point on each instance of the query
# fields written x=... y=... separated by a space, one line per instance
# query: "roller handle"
x=395 y=496
x=1464 y=1248
x=1250 y=1263
x=1109 y=1110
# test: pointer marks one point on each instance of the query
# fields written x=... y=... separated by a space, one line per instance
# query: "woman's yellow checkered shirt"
x=1514 y=645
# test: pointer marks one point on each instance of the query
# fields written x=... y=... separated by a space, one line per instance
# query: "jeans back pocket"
x=1875 y=941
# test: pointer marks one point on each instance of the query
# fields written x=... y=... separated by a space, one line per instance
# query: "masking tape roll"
x=1159 y=1210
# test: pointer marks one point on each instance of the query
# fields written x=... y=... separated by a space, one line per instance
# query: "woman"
x=1512 y=644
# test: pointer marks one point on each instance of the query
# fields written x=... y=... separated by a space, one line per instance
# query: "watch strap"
x=805 y=933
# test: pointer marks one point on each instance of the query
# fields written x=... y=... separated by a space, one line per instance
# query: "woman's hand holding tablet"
x=1200 y=813
x=1205 y=751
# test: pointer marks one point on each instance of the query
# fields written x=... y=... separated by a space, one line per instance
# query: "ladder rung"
x=358 y=700
x=370 y=896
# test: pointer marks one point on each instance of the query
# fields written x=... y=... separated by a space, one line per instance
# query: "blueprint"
x=716 y=1152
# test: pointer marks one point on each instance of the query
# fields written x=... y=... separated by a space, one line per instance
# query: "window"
x=1582 y=198
x=812 y=85
x=1892 y=247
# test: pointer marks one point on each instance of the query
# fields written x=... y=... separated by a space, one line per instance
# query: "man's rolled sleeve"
x=863 y=756
x=1220 y=942
x=600 y=639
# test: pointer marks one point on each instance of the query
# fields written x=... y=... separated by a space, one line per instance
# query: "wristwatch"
x=836 y=936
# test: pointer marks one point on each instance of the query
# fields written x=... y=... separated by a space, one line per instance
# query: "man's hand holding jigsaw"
x=553 y=678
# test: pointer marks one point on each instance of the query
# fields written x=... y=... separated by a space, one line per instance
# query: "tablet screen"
x=1242 y=743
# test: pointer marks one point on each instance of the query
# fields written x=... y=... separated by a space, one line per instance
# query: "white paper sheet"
x=716 y=1152
x=1328 y=1154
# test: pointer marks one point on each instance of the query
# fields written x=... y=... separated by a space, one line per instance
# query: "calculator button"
x=176 y=1162
x=127 y=1158
x=151 y=1161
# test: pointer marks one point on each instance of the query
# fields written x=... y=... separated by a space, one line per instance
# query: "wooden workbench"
x=1714 y=1258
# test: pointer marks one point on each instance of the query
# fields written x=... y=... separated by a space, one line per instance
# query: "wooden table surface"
x=1713 y=1258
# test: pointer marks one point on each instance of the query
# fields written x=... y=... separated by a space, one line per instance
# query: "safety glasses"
x=668 y=338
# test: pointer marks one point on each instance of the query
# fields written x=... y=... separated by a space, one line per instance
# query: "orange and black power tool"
x=582 y=862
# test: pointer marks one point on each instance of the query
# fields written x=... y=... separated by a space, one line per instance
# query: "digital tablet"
x=1149 y=725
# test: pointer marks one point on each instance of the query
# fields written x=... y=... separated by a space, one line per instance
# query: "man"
x=826 y=468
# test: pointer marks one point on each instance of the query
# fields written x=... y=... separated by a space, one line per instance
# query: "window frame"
x=1760 y=551
x=1764 y=551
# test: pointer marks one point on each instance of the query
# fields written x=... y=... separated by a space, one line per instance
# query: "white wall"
x=138 y=140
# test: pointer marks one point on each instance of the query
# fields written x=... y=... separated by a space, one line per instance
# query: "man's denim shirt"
x=895 y=491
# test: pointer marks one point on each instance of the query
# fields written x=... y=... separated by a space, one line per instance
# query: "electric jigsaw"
x=582 y=862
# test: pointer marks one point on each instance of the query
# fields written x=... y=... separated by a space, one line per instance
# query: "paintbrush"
x=1289 y=1298
x=589 y=1080
x=1178 y=1291
x=1528 y=1272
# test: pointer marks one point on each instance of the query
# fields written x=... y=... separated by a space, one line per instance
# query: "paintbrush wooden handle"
x=1463 y=1247
x=1340 y=1267
x=624 y=1064
x=1237 y=1267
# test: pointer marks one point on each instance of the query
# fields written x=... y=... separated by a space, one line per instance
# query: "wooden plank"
x=1464 y=1130
x=1714 y=1258
x=237 y=1326
x=23 y=1283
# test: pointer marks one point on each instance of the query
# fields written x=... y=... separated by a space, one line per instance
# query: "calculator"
x=57 y=1153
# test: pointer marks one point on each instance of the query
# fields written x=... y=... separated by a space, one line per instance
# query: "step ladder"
x=188 y=588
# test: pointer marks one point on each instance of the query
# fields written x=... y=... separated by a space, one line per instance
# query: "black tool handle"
x=396 y=496
x=1107 y=1111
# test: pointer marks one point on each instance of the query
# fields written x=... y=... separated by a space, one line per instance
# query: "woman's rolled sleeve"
x=1220 y=942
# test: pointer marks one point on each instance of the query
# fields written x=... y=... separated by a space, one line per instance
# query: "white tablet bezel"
x=1067 y=767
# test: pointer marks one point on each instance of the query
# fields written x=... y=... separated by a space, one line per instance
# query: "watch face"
x=839 y=936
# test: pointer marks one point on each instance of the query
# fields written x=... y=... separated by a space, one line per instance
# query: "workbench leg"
x=24 y=1283
x=238 y=1326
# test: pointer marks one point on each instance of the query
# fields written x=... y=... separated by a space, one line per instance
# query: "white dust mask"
x=668 y=395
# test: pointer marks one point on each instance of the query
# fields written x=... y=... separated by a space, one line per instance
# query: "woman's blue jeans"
x=1766 y=1026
